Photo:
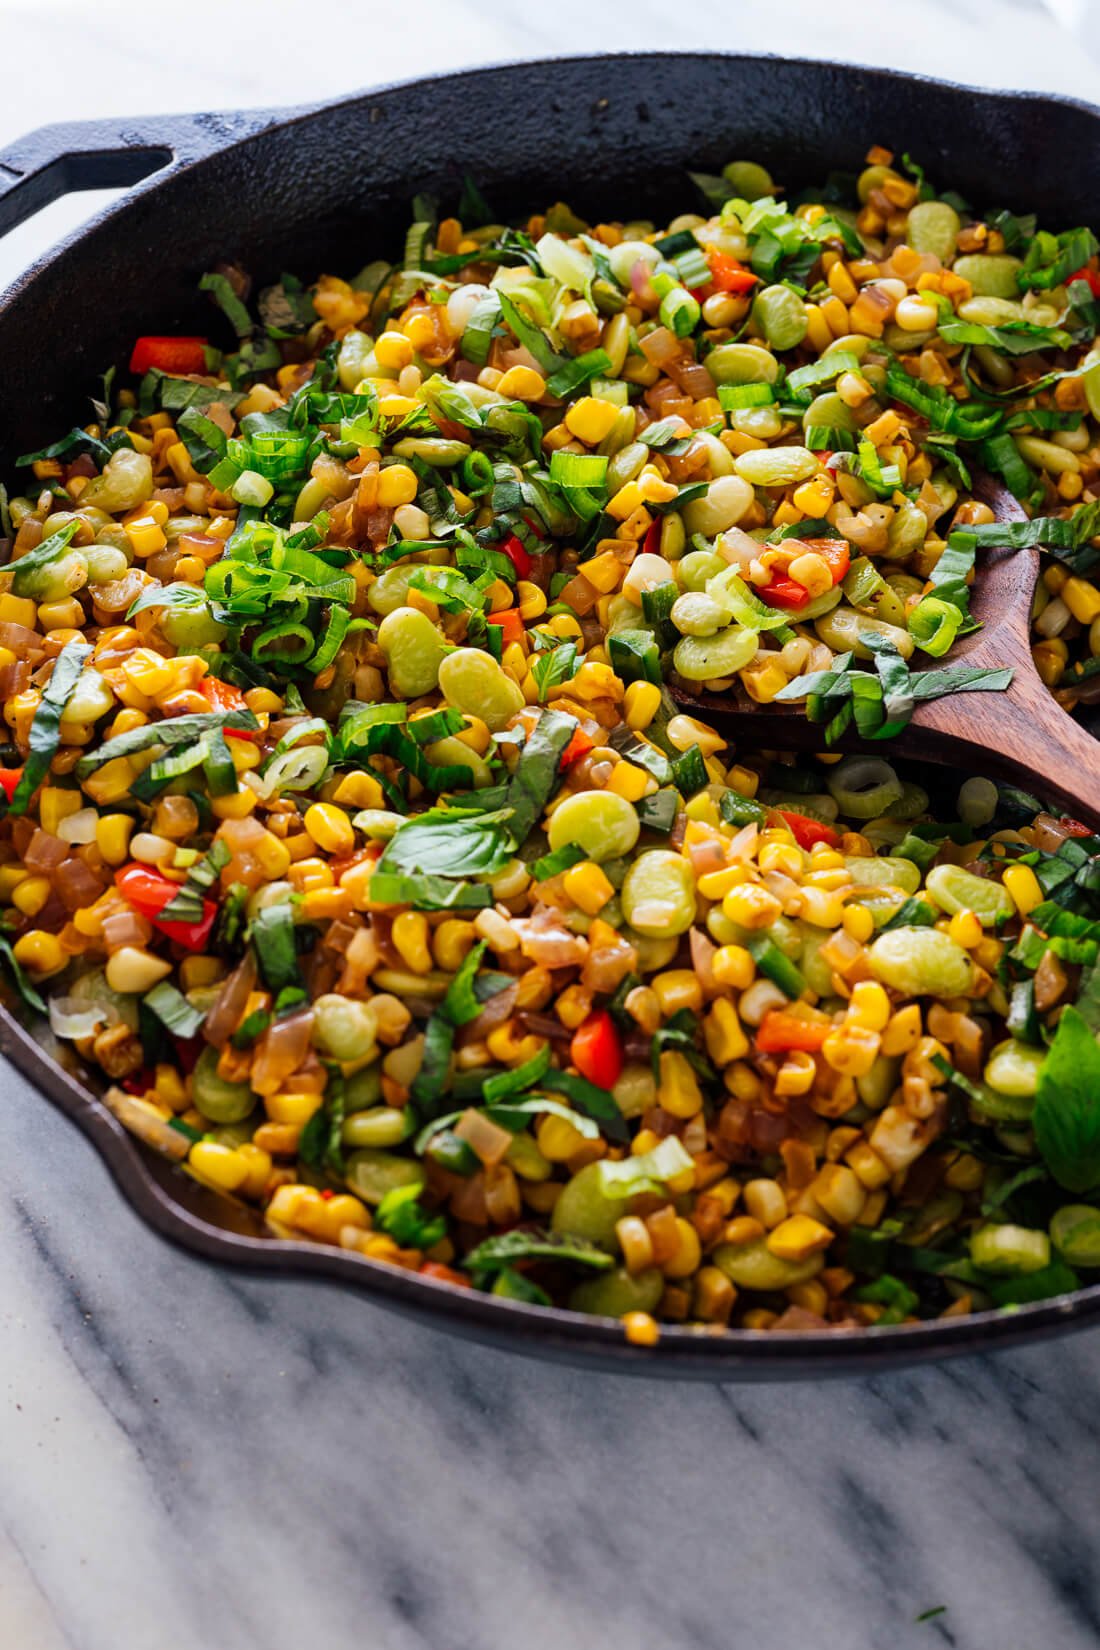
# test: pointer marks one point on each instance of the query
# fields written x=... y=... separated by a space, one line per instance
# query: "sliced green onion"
x=934 y=624
x=735 y=397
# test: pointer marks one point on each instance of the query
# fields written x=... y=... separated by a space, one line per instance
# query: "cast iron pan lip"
x=513 y=1325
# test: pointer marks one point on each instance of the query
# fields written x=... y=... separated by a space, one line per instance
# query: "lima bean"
x=613 y=1294
x=1013 y=1068
x=921 y=962
x=658 y=894
x=603 y=824
x=372 y=1173
x=723 y=504
x=845 y=631
x=475 y=684
x=780 y=315
x=955 y=889
x=219 y=1101
x=707 y=658
x=753 y=1266
x=414 y=650
x=742 y=364
x=991 y=274
x=933 y=226
x=584 y=1210
x=884 y=871
x=776 y=466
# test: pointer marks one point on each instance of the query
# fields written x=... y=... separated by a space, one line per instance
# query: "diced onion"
x=71 y=1018
x=79 y=828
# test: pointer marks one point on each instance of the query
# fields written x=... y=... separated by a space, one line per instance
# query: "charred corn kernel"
x=217 y=1165
x=641 y=704
x=799 y=1237
x=238 y=805
x=763 y=681
x=733 y=966
x=628 y=781
x=745 y=1229
x=867 y=1166
x=393 y=351
x=641 y=1329
x=573 y=1006
x=530 y=600
x=55 y=804
x=588 y=886
x=858 y=922
x=839 y=1192
x=410 y=938
x=966 y=1174
x=751 y=906
x=868 y=1006
x=39 y=952
x=765 y=1202
x=291 y=1107
x=557 y=1139
x=590 y=419
x=359 y=790
x=199 y=971
x=965 y=929
x=112 y=836
x=851 y=1049
x=18 y=610
x=722 y=1030
x=1023 y=886
x=677 y=989
x=30 y=895
x=522 y=384
x=397 y=484
x=903 y=1031
x=677 y=1088
x=330 y=828
x=635 y=1243
x=133 y=969
x=688 y=1254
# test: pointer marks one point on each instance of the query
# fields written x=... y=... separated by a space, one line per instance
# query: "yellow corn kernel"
x=751 y=906
x=392 y=350
x=677 y=1088
x=818 y=335
x=18 y=610
x=858 y=923
x=133 y=969
x=236 y=806
x=196 y=971
x=628 y=781
x=588 y=886
x=1082 y=599
x=798 y=1237
x=452 y=942
x=641 y=704
x=797 y=1073
x=814 y=497
x=308 y=874
x=988 y=952
x=397 y=485
x=823 y=907
x=641 y=1329
x=765 y=1204
x=55 y=804
x=330 y=828
x=676 y=989
x=359 y=790
x=530 y=600
x=557 y=1139
x=717 y=884
x=30 y=895
x=688 y=1253
x=868 y=1006
x=10 y=878
x=39 y=952
x=734 y=967
x=61 y=615
x=812 y=572
x=590 y=419
x=851 y=1050
x=625 y=502
x=965 y=929
x=841 y=284
x=217 y=1165
x=1023 y=887
x=838 y=1190
x=763 y=681
x=884 y=429
x=522 y=384
x=903 y=1031
x=291 y=1108
x=410 y=938
x=326 y=904
x=112 y=836
x=722 y=1030
x=781 y=856
x=654 y=488
x=145 y=533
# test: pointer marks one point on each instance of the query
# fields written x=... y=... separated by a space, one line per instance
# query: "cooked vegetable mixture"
x=352 y=828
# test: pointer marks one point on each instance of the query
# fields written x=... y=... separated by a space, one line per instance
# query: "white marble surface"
x=191 y=1460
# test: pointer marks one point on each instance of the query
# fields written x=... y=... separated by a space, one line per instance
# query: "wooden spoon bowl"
x=1021 y=735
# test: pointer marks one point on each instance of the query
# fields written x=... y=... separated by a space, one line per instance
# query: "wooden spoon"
x=1022 y=735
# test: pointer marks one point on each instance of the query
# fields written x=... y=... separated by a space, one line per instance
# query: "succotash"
x=351 y=831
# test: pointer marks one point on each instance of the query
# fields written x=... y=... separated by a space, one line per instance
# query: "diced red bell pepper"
x=807 y=832
x=780 y=1032
x=651 y=544
x=783 y=591
x=510 y=625
x=1074 y=827
x=442 y=1274
x=9 y=779
x=578 y=746
x=174 y=355
x=221 y=695
x=597 y=1051
x=1092 y=277
x=728 y=274
x=517 y=555
x=149 y=892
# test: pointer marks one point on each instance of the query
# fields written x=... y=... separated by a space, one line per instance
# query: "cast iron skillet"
x=326 y=189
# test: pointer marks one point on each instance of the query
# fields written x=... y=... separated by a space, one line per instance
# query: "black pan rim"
x=512 y=1325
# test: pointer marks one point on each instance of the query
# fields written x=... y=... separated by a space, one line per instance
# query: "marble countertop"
x=191 y=1458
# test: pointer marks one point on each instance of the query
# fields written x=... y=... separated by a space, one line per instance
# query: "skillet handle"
x=110 y=154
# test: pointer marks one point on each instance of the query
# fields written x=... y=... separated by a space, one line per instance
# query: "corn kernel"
x=641 y=1329
x=678 y=1089
x=588 y=886
x=291 y=1108
x=733 y=966
x=851 y=1050
x=798 y=1237
x=869 y=1006
x=677 y=989
x=723 y=1032
x=30 y=895
x=751 y=906
x=858 y=923
x=217 y=1165
x=410 y=938
x=330 y=828
x=18 y=610
x=39 y=952
x=1022 y=885
x=557 y=1139
x=133 y=969
x=628 y=781
x=392 y=350
x=397 y=485
x=522 y=384
x=1082 y=599
x=238 y=805
x=590 y=419
x=965 y=929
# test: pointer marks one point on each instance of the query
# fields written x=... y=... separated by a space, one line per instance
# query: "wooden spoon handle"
x=1023 y=735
